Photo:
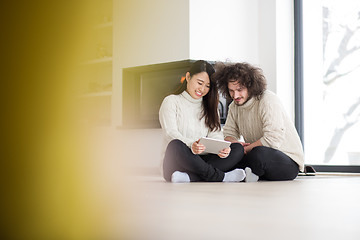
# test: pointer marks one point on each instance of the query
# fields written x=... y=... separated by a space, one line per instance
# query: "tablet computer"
x=214 y=145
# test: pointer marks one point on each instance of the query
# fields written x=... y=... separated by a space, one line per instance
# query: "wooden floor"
x=142 y=206
x=320 y=207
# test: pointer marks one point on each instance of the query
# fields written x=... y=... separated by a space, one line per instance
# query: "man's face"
x=238 y=93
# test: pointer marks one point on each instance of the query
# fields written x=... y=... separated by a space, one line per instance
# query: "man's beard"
x=238 y=104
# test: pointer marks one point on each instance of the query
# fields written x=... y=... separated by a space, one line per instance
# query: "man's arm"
x=272 y=117
x=234 y=140
x=231 y=130
x=231 y=139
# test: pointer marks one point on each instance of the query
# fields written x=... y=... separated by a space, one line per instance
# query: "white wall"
x=276 y=49
x=223 y=30
x=267 y=41
x=285 y=54
x=153 y=31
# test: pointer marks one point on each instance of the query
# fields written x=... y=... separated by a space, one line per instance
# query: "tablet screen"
x=214 y=145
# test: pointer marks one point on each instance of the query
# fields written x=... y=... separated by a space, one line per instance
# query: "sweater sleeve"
x=168 y=121
x=231 y=128
x=272 y=117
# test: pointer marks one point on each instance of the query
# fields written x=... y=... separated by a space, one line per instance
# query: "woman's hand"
x=224 y=153
x=197 y=148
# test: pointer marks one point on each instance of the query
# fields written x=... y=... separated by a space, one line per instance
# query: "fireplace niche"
x=145 y=87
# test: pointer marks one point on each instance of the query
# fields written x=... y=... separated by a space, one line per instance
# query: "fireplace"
x=145 y=87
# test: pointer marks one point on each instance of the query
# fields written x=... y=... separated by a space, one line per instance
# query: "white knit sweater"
x=265 y=119
x=179 y=117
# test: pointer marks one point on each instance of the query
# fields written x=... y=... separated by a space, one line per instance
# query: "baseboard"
x=337 y=168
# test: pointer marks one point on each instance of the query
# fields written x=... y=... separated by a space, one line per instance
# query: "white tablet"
x=214 y=145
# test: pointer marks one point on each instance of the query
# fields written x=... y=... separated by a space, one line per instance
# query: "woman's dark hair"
x=244 y=73
x=211 y=99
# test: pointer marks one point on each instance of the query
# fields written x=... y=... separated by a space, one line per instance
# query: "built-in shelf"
x=103 y=25
x=99 y=60
x=96 y=71
x=96 y=94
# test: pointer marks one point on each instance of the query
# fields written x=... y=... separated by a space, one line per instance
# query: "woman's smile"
x=198 y=93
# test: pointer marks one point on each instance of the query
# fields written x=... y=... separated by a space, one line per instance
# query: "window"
x=328 y=69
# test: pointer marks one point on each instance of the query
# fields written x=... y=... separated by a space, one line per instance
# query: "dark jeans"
x=270 y=164
x=209 y=167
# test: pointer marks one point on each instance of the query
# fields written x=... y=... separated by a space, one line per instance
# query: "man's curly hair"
x=244 y=73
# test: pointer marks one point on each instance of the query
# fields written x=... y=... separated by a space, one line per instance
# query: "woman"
x=186 y=116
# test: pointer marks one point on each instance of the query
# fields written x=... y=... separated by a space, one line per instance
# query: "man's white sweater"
x=265 y=119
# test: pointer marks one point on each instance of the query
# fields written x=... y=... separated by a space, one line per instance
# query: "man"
x=272 y=148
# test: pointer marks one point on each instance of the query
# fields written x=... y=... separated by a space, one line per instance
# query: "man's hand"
x=249 y=147
x=244 y=144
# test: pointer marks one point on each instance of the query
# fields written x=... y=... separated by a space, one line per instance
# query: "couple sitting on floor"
x=272 y=149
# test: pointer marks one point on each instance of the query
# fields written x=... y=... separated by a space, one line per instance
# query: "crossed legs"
x=210 y=167
x=270 y=164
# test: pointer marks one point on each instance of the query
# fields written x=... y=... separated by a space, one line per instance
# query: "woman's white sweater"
x=179 y=117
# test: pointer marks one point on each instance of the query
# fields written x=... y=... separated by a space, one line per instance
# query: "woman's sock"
x=180 y=177
x=250 y=176
x=236 y=175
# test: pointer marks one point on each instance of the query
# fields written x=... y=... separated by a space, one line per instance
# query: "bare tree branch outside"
x=345 y=26
x=339 y=109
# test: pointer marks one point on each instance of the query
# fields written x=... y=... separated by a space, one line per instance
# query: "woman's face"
x=198 y=85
